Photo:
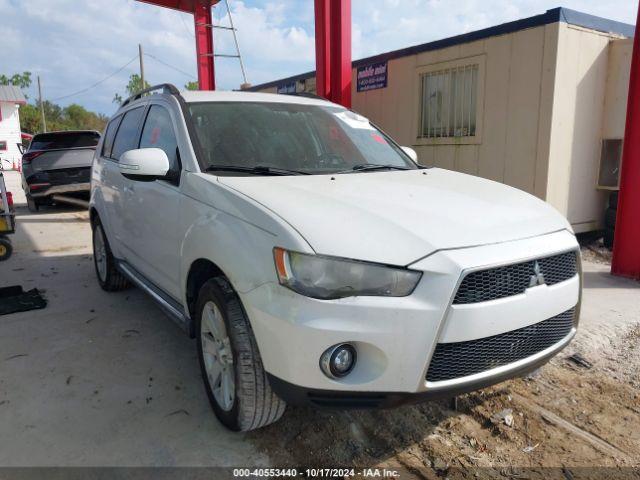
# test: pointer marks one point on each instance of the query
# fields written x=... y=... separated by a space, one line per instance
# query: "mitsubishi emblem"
x=538 y=277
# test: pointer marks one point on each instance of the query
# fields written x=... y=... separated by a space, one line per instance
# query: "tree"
x=133 y=87
x=192 y=86
x=20 y=80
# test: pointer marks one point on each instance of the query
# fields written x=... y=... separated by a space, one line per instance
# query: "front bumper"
x=396 y=337
x=307 y=397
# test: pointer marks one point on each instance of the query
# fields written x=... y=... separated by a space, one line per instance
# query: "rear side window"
x=158 y=133
x=109 y=136
x=127 y=136
x=56 y=141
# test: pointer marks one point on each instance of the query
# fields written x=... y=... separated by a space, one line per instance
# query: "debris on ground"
x=580 y=360
x=504 y=416
x=14 y=299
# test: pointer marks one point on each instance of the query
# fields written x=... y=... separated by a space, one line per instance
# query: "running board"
x=171 y=307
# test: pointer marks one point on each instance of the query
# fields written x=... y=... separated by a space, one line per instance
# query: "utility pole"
x=44 y=121
x=141 y=55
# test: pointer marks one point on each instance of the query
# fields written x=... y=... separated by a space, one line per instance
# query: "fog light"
x=338 y=361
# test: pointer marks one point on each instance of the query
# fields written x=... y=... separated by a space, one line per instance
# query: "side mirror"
x=411 y=153
x=20 y=148
x=144 y=164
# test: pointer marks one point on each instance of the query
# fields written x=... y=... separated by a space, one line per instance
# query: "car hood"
x=398 y=217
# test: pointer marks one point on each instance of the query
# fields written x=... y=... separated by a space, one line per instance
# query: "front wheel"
x=235 y=380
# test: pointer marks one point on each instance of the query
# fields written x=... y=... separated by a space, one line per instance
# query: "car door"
x=126 y=138
x=152 y=231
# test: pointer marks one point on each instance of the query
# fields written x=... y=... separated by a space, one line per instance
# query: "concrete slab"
x=97 y=379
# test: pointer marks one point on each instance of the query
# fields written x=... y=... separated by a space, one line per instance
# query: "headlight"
x=329 y=278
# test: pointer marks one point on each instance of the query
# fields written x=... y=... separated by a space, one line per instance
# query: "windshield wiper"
x=371 y=166
x=257 y=170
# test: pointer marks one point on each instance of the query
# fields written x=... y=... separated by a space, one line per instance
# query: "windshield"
x=309 y=139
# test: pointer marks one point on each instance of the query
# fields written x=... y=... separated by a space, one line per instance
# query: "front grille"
x=510 y=280
x=455 y=360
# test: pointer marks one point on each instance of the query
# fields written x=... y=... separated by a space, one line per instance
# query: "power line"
x=97 y=83
x=168 y=65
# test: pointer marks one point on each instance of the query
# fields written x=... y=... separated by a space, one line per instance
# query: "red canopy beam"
x=323 y=48
x=201 y=10
x=333 y=50
x=626 y=247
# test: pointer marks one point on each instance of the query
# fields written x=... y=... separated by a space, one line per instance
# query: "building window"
x=3 y=146
x=449 y=102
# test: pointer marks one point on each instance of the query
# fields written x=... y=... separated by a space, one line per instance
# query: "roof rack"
x=165 y=87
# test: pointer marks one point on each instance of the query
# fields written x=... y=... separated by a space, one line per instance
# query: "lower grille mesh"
x=455 y=360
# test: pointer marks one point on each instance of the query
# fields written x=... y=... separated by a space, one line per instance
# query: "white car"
x=316 y=263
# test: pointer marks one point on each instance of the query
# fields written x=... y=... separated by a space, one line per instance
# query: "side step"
x=170 y=306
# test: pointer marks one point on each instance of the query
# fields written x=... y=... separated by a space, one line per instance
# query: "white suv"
x=316 y=263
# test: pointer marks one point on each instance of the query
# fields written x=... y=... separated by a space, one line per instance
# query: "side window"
x=109 y=135
x=127 y=136
x=158 y=133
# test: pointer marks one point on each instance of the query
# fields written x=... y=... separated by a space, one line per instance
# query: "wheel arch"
x=200 y=271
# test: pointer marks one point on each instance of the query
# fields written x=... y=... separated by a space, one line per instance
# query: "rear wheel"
x=109 y=277
x=32 y=204
x=235 y=380
x=6 y=249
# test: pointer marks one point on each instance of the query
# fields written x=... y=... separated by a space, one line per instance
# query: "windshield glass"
x=306 y=138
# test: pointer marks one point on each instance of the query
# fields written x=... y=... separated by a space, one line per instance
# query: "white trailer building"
x=10 y=135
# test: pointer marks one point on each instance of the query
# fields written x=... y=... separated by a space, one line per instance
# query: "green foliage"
x=192 y=86
x=133 y=87
x=22 y=80
x=72 y=117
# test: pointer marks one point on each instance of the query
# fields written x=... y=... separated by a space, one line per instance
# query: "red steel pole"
x=323 y=48
x=204 y=46
x=626 y=247
x=341 y=52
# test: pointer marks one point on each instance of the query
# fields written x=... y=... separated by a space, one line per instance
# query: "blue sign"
x=372 y=77
x=287 y=88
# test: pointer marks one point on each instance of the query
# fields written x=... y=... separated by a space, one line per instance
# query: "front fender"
x=234 y=233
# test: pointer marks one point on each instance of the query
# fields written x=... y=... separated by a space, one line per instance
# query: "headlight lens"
x=329 y=278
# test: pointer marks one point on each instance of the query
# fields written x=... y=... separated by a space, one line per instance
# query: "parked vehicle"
x=316 y=263
x=58 y=163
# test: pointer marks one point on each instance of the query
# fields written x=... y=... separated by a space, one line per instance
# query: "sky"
x=85 y=50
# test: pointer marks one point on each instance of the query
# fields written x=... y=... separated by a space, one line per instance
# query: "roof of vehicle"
x=191 y=96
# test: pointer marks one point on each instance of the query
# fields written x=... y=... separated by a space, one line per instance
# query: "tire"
x=32 y=204
x=253 y=404
x=608 y=238
x=613 y=200
x=610 y=219
x=109 y=277
x=6 y=249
